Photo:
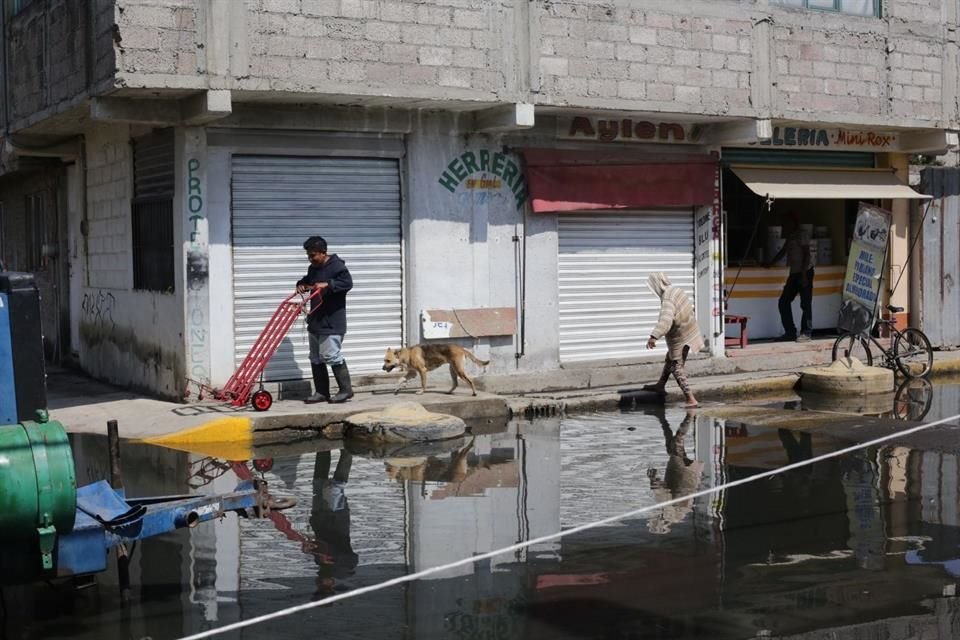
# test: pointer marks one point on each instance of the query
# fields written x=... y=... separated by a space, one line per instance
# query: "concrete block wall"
x=50 y=47
x=669 y=59
x=424 y=48
x=159 y=35
x=744 y=59
x=109 y=189
x=130 y=338
x=888 y=71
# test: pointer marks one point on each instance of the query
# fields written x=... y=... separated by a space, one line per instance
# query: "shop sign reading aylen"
x=627 y=130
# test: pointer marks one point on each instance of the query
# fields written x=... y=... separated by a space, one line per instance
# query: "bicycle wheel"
x=913 y=399
x=913 y=354
x=851 y=346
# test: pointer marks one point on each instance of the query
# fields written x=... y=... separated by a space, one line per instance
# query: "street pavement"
x=84 y=405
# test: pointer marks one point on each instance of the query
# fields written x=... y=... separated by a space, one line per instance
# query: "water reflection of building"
x=502 y=495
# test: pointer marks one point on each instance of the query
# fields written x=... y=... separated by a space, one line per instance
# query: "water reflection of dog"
x=431 y=468
x=680 y=478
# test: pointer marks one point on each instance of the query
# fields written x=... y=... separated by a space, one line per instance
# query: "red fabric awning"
x=570 y=180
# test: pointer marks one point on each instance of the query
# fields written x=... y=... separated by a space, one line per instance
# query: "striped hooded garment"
x=677 y=322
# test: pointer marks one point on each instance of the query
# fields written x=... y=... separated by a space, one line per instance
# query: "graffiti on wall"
x=496 y=170
x=198 y=276
x=96 y=310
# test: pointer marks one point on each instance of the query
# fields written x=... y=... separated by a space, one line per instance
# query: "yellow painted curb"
x=229 y=438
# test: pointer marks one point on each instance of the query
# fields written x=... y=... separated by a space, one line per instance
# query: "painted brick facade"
x=108 y=220
x=125 y=336
x=691 y=56
x=54 y=58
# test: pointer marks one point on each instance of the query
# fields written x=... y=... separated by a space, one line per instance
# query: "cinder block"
x=348 y=29
x=631 y=90
x=469 y=58
x=378 y=73
x=553 y=26
x=435 y=56
x=147 y=16
x=486 y=80
x=469 y=19
x=483 y=40
x=686 y=58
x=724 y=79
x=644 y=71
x=642 y=35
x=736 y=62
x=725 y=43
x=601 y=50
x=418 y=75
x=362 y=51
x=659 y=20
x=673 y=38
x=398 y=12
x=554 y=66
x=602 y=88
x=136 y=37
x=324 y=49
x=688 y=95
x=320 y=7
x=453 y=37
x=440 y=16
x=383 y=31
x=360 y=9
x=399 y=53
x=631 y=52
x=571 y=86
x=569 y=48
x=825 y=69
x=346 y=71
x=417 y=34
x=453 y=77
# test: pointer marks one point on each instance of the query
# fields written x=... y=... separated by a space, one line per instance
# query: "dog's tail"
x=477 y=360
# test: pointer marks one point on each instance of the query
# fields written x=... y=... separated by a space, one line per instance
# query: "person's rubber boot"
x=321 y=382
x=342 y=375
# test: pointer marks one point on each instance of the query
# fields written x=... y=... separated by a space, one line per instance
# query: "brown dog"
x=421 y=358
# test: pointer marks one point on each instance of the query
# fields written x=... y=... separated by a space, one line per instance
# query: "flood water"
x=866 y=545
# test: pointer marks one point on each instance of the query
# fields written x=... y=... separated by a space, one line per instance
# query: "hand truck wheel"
x=262 y=400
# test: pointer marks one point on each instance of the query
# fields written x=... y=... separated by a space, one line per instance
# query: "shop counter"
x=757 y=291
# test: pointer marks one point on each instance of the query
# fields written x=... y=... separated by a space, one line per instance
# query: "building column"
x=193 y=267
x=900 y=241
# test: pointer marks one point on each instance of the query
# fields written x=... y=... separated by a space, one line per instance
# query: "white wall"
x=460 y=251
x=130 y=338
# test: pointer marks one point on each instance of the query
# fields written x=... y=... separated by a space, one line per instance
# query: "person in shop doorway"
x=796 y=248
x=327 y=322
x=678 y=324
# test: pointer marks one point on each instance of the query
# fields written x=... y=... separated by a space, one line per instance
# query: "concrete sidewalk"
x=84 y=405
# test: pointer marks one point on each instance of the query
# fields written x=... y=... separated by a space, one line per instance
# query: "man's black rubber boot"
x=321 y=382
x=342 y=375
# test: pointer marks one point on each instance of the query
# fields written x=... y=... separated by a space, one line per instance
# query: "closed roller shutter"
x=352 y=202
x=606 y=308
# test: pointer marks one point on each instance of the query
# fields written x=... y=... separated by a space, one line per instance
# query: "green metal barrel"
x=38 y=484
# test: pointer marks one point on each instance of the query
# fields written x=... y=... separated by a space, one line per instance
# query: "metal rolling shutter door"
x=606 y=308
x=354 y=203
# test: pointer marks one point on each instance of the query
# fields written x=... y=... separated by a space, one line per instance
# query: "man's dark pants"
x=790 y=291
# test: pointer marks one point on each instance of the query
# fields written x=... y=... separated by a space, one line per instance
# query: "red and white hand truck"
x=239 y=388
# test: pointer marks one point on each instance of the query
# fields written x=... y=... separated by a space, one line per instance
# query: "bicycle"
x=910 y=352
